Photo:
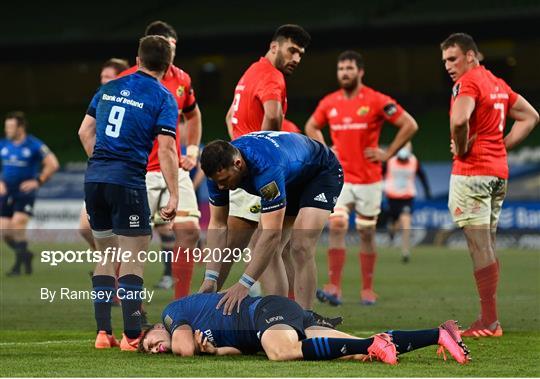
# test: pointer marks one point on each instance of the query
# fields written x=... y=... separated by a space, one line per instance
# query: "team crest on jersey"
x=362 y=111
x=270 y=191
x=180 y=91
x=455 y=90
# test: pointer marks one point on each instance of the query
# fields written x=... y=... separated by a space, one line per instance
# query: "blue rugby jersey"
x=199 y=311
x=130 y=112
x=276 y=161
x=21 y=161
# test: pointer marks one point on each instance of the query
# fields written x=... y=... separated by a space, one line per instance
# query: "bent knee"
x=338 y=223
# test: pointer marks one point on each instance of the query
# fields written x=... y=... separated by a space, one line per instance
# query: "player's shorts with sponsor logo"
x=273 y=310
x=321 y=192
x=476 y=200
x=158 y=196
x=398 y=206
x=244 y=205
x=16 y=200
x=117 y=209
x=364 y=198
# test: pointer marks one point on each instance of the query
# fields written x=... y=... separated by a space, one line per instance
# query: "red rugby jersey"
x=261 y=82
x=493 y=98
x=356 y=124
x=178 y=83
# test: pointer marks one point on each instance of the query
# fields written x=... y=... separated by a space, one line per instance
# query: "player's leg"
x=470 y=203
x=289 y=268
x=306 y=232
x=19 y=222
x=84 y=228
x=368 y=207
x=338 y=226
x=405 y=222
x=166 y=253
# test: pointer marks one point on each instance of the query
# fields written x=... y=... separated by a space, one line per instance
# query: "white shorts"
x=365 y=199
x=158 y=196
x=244 y=205
x=476 y=200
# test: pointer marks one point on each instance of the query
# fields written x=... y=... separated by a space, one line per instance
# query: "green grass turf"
x=56 y=339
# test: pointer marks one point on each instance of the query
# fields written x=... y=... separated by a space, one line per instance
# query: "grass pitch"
x=45 y=339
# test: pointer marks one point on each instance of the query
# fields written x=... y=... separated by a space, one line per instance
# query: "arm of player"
x=182 y=342
x=194 y=133
x=50 y=166
x=526 y=118
x=313 y=130
x=407 y=128
x=168 y=160
x=87 y=134
x=228 y=121
x=266 y=247
x=273 y=115
x=203 y=346
x=216 y=238
x=462 y=109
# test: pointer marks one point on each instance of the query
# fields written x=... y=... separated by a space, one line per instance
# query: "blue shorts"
x=123 y=210
x=273 y=310
x=17 y=201
x=322 y=191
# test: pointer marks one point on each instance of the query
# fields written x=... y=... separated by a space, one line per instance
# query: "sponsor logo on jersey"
x=255 y=208
x=274 y=319
x=26 y=152
x=390 y=109
x=180 y=91
x=455 y=90
x=270 y=191
x=333 y=112
x=363 y=110
x=125 y=93
x=321 y=197
x=134 y=221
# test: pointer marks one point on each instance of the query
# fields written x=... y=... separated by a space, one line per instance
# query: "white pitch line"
x=56 y=342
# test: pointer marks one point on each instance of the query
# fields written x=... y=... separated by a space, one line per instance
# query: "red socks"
x=367 y=267
x=182 y=270
x=336 y=261
x=487 y=279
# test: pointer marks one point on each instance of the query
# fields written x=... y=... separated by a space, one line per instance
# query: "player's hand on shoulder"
x=187 y=162
x=208 y=286
x=375 y=154
x=29 y=185
x=233 y=297
x=202 y=345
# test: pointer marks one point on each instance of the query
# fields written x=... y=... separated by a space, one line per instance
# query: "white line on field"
x=56 y=342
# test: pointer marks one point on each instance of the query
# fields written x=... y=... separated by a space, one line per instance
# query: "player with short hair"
x=27 y=163
x=186 y=224
x=356 y=114
x=479 y=105
x=117 y=133
x=260 y=103
x=284 y=331
x=298 y=180
x=109 y=71
x=400 y=174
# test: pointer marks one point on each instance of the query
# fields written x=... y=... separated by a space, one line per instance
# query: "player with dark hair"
x=260 y=103
x=117 y=133
x=479 y=105
x=27 y=163
x=284 y=331
x=298 y=180
x=356 y=114
x=186 y=224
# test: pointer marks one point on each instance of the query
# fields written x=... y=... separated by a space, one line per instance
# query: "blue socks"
x=103 y=286
x=129 y=291
x=406 y=341
x=324 y=348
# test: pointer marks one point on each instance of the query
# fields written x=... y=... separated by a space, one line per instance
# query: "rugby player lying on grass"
x=283 y=330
